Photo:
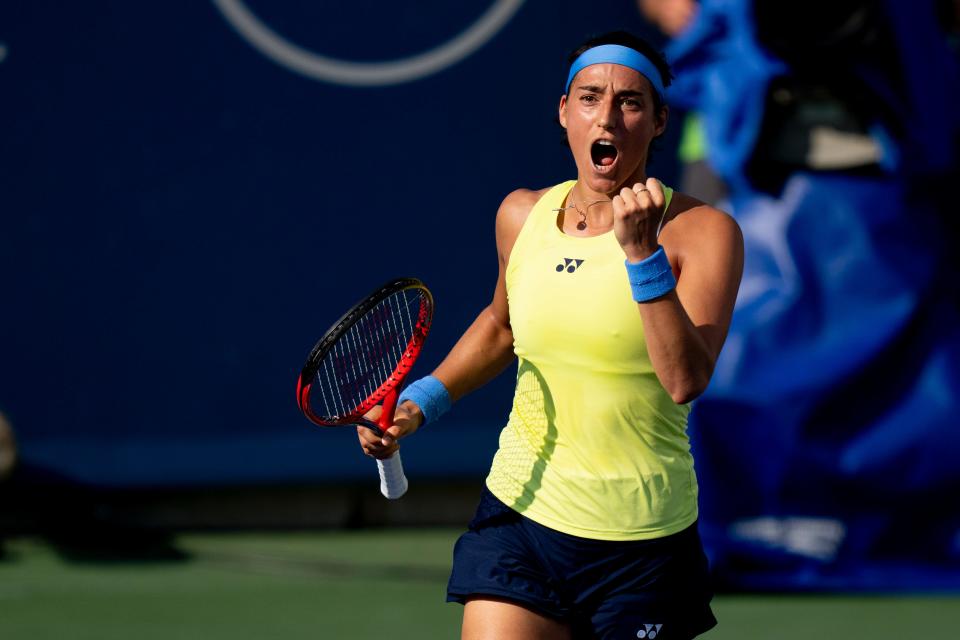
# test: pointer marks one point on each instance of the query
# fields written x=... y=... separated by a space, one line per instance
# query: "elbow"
x=686 y=395
x=688 y=389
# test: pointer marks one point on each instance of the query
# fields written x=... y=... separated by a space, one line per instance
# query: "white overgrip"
x=393 y=483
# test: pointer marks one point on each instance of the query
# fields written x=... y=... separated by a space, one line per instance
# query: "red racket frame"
x=387 y=392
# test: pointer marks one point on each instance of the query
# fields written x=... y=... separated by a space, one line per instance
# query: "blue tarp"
x=828 y=443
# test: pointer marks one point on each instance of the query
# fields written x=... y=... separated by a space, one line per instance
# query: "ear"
x=562 y=112
x=662 y=118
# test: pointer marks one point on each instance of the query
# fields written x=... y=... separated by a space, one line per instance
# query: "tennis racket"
x=362 y=360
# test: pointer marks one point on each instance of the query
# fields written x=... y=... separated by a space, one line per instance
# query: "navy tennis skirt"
x=644 y=589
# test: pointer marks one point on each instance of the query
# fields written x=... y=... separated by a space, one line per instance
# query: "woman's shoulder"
x=691 y=217
x=695 y=229
x=513 y=213
x=519 y=203
x=516 y=208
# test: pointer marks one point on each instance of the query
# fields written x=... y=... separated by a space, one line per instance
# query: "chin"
x=608 y=184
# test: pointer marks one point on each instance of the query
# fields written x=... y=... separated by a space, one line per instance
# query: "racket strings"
x=367 y=354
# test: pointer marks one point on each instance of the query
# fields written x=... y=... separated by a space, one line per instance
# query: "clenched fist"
x=637 y=213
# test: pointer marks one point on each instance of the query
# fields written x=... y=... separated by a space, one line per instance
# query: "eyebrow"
x=629 y=93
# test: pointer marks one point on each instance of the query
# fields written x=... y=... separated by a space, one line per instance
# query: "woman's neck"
x=591 y=209
x=588 y=211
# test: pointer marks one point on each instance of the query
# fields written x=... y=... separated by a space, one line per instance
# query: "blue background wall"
x=181 y=218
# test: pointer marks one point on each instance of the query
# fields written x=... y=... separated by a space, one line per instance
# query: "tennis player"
x=615 y=293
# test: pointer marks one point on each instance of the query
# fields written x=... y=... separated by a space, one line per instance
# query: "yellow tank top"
x=594 y=446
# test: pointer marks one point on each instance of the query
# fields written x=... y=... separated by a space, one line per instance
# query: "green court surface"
x=352 y=585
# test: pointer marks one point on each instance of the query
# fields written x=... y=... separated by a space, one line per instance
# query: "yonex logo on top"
x=569 y=265
x=649 y=631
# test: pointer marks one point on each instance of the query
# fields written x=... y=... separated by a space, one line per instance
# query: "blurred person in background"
x=834 y=126
x=822 y=85
x=670 y=16
x=819 y=117
x=697 y=178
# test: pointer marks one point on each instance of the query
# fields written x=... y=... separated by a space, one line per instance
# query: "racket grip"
x=393 y=483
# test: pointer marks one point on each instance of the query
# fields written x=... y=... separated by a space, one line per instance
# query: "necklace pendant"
x=581 y=225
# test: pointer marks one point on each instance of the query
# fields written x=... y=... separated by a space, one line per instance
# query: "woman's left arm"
x=685 y=328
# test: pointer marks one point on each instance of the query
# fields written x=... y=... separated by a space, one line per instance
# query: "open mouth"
x=603 y=154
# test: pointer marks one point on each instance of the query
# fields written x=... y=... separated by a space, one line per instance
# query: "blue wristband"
x=652 y=277
x=430 y=395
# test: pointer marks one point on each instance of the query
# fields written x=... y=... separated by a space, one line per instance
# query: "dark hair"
x=627 y=39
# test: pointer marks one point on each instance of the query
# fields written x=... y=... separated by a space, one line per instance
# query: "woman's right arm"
x=483 y=351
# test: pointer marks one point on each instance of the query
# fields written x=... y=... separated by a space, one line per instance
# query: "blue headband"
x=617 y=54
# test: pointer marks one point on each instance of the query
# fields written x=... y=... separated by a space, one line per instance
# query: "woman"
x=615 y=293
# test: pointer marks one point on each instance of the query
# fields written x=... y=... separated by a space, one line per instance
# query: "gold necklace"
x=582 y=225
